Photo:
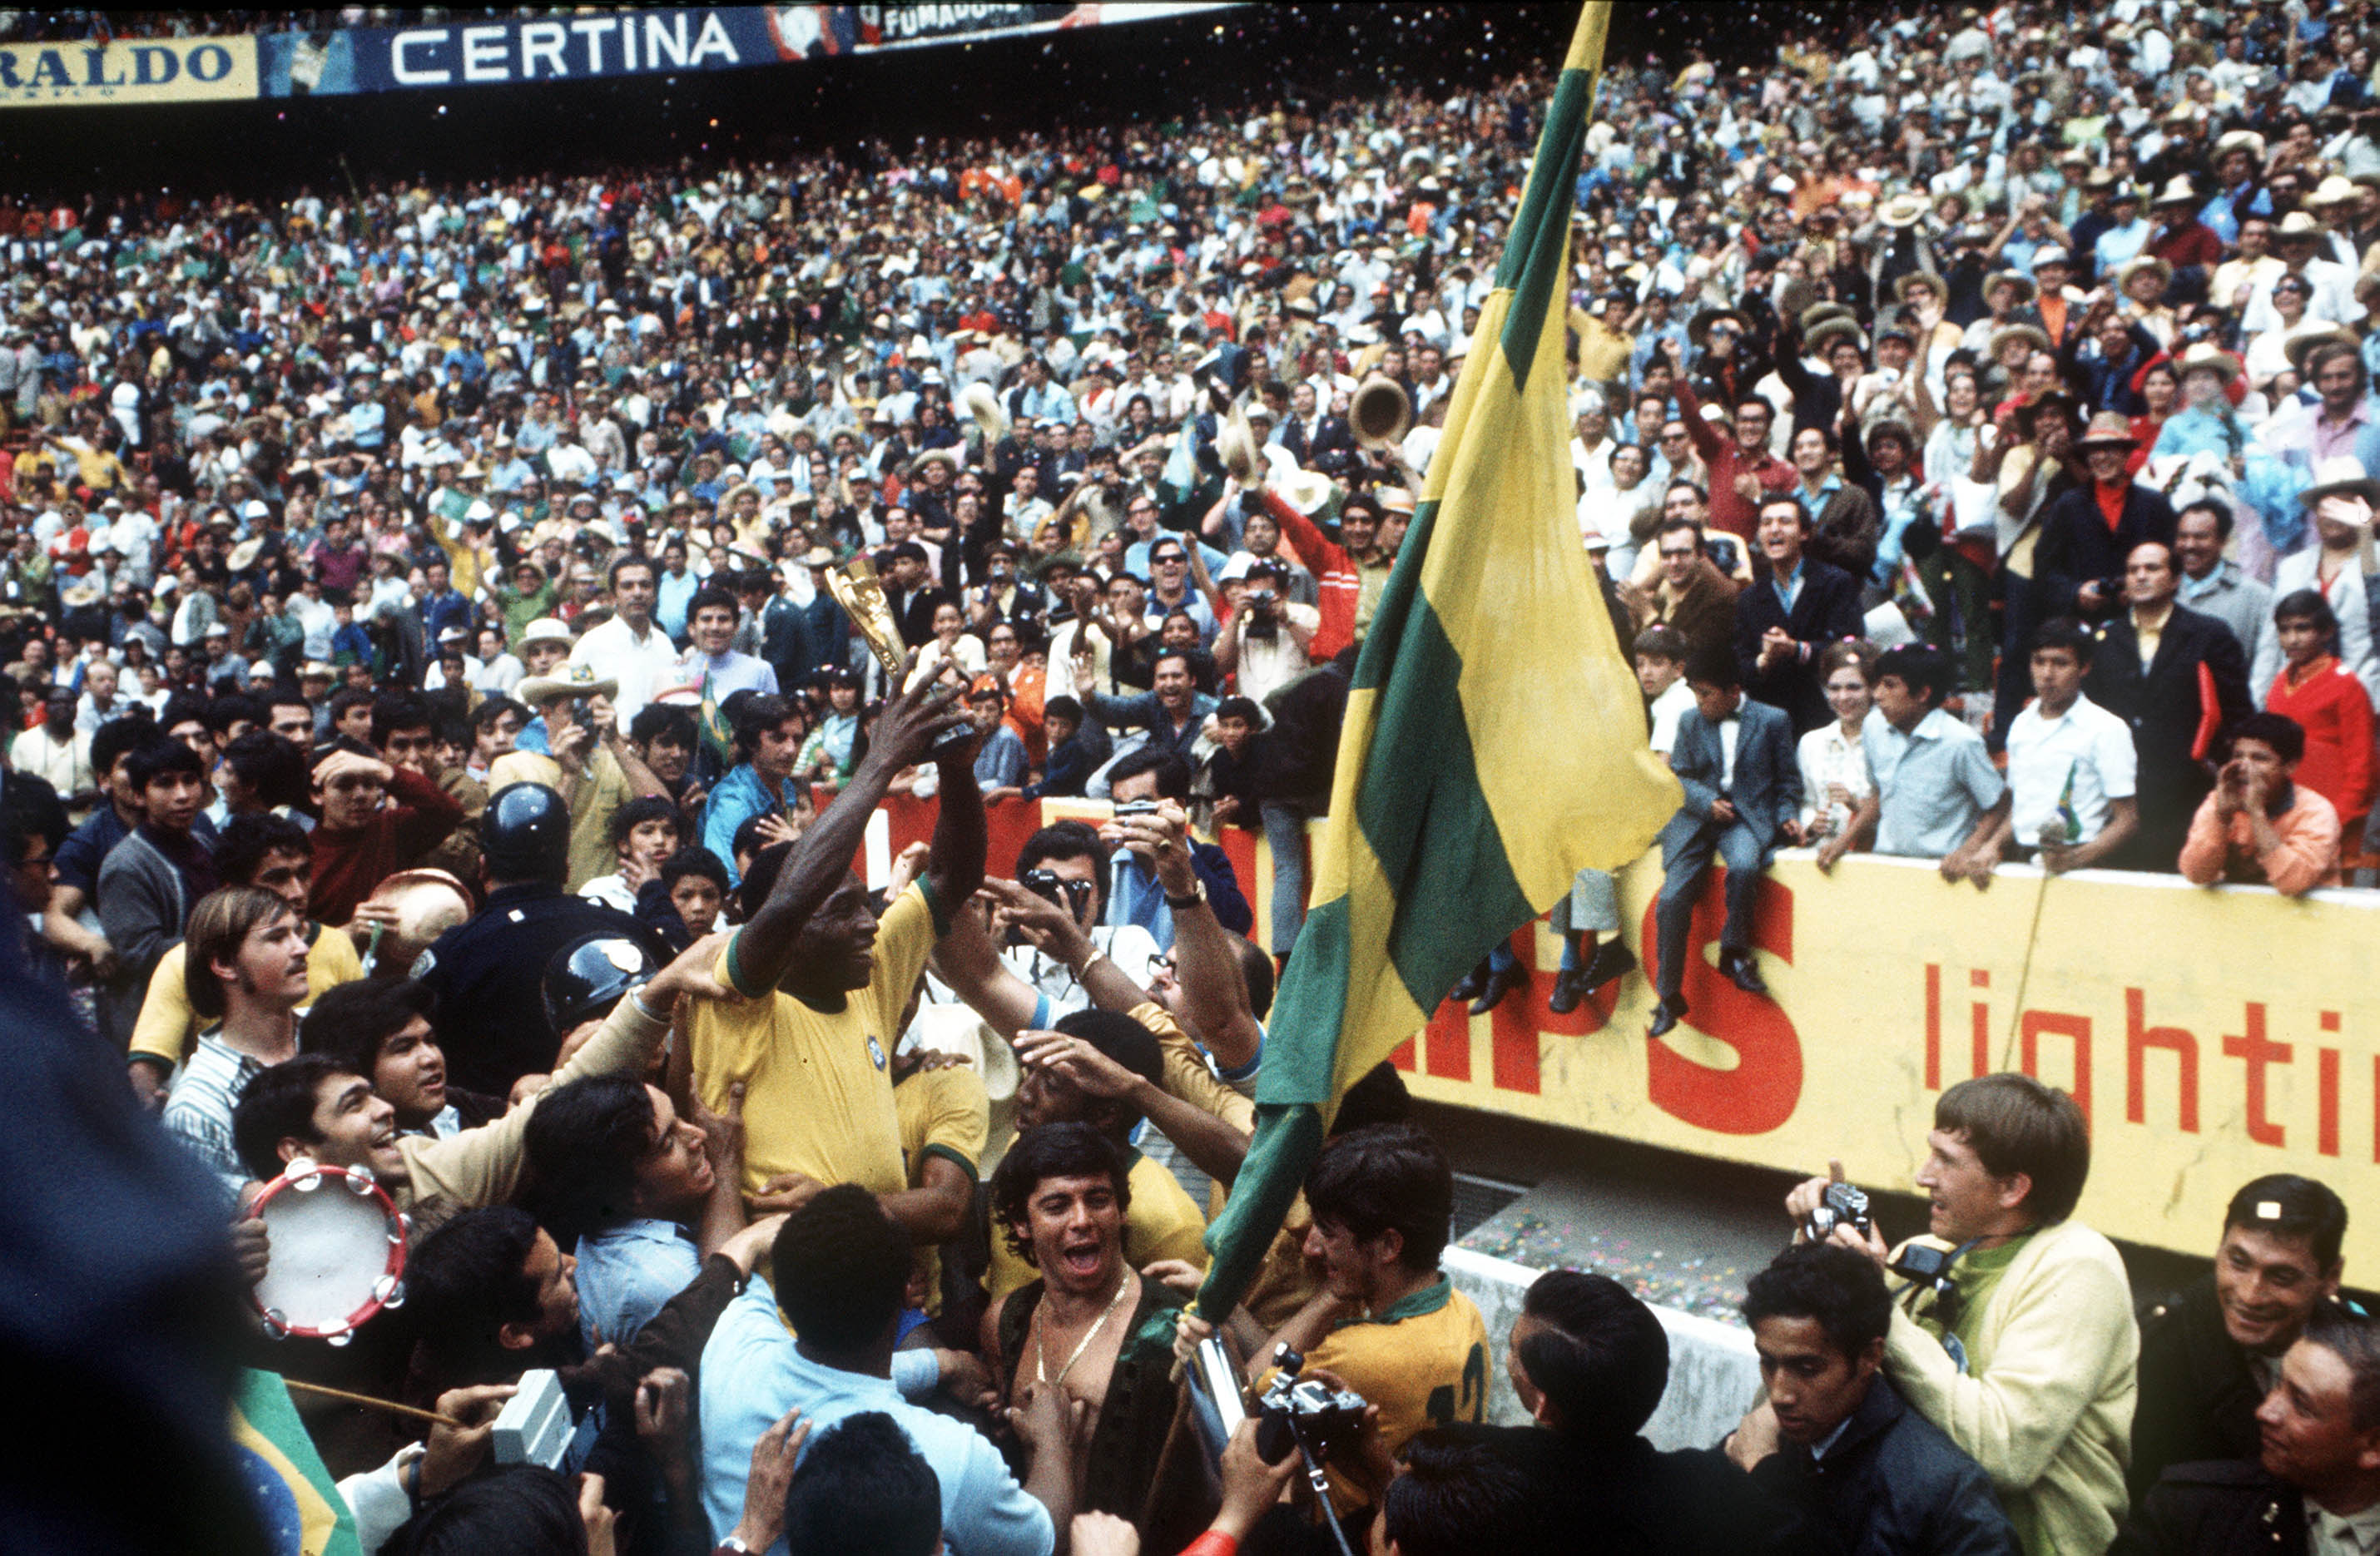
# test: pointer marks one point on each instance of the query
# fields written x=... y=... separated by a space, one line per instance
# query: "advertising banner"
x=613 y=44
x=2210 y=1037
x=133 y=71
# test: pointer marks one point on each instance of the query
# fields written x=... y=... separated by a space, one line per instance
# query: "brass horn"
x=1379 y=411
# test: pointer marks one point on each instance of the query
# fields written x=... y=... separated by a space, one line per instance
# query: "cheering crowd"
x=1973 y=433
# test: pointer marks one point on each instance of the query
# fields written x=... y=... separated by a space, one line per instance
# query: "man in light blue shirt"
x=840 y=1268
x=1934 y=793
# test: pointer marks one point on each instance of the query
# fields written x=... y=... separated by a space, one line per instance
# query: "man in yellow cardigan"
x=2025 y=1350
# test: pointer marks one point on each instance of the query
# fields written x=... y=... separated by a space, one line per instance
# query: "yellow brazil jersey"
x=944 y=1114
x=1161 y=1223
x=1423 y=1360
x=818 y=1094
x=167 y=1023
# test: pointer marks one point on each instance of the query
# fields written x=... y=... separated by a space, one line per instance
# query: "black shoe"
x=1666 y=1016
x=1472 y=982
x=1500 y=982
x=1743 y=972
x=1570 y=991
x=1612 y=961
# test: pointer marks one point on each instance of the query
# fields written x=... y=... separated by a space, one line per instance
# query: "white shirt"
x=1668 y=709
x=1827 y=757
x=642 y=665
x=2328 y=1534
x=1730 y=729
x=2086 y=742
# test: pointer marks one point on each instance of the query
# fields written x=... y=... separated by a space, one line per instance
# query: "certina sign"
x=597 y=45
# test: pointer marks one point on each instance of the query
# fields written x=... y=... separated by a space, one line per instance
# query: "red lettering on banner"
x=1764 y=1087
x=1933 y=1026
x=1446 y=1042
x=1979 y=1024
x=2257 y=1051
x=2078 y=1027
x=2139 y=1038
x=1512 y=1025
x=1403 y=1057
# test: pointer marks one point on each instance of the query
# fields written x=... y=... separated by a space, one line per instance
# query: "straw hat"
x=1915 y=278
x=2307 y=336
x=545 y=629
x=2340 y=476
x=1902 y=211
x=576 y=680
x=1818 y=313
x=2026 y=287
x=1829 y=330
x=2207 y=357
x=2107 y=430
x=2333 y=190
x=2176 y=191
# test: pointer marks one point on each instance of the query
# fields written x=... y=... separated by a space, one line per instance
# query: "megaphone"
x=1379 y=412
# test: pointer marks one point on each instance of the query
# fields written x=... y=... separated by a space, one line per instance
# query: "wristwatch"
x=1198 y=896
x=732 y=1543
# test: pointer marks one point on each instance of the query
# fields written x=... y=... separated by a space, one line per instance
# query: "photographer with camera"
x=1386 y=1324
x=1265 y=641
x=1835 y=1437
x=2013 y=1328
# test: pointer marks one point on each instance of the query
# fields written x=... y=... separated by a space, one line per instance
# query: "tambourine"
x=338 y=1252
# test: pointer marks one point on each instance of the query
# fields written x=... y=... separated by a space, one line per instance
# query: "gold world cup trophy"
x=860 y=593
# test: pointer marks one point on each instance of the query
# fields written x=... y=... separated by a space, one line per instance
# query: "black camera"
x=1927 y=1268
x=1306 y=1412
x=1843 y=1205
x=1262 y=599
x=1056 y=890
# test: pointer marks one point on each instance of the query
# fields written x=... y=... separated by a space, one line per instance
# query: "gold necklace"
x=1042 y=1337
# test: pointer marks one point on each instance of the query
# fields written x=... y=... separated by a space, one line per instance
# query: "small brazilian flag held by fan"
x=296 y=1500
x=717 y=738
x=1495 y=739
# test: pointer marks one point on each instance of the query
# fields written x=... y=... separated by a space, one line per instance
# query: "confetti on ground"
x=1701 y=1286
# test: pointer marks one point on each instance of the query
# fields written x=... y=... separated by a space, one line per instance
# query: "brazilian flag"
x=295 y=1498
x=1495 y=740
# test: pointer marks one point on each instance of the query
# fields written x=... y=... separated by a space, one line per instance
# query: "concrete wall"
x=1713 y=1374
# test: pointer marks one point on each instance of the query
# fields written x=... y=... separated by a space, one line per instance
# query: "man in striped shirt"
x=247 y=970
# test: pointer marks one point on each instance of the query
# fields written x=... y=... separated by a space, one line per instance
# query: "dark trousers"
x=1688 y=845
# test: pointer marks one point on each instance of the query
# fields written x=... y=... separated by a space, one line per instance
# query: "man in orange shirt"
x=2258 y=828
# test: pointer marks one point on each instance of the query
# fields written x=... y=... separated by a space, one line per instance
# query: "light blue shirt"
x=752 y=1374
x=1788 y=587
x=742 y=794
x=1932 y=784
x=627 y=1273
x=671 y=594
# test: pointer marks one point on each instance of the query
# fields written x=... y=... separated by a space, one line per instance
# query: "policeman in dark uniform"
x=487 y=973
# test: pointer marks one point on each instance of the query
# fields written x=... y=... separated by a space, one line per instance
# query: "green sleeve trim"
x=735 y=968
x=924 y=885
x=952 y=1154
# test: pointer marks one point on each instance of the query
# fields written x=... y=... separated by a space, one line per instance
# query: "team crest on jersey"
x=875 y=1052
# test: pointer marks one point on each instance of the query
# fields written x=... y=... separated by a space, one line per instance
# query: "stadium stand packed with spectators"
x=1975 y=439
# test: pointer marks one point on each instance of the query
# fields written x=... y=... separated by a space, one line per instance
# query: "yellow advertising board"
x=2210 y=1036
x=131 y=71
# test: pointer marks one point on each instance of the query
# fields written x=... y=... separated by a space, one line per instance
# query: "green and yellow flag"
x=1495 y=739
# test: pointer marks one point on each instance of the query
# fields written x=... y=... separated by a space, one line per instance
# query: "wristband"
x=1214 y=1542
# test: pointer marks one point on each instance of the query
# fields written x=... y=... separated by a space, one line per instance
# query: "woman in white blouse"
x=1834 y=767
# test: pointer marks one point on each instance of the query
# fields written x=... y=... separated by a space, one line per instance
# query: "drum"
x=338 y=1252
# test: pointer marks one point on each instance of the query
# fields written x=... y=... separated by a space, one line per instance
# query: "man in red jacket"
x=377 y=819
x=1338 y=576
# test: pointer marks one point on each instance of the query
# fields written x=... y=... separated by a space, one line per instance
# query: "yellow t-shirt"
x=943 y=1113
x=1422 y=1361
x=1161 y=1223
x=817 y=1095
x=167 y=1023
